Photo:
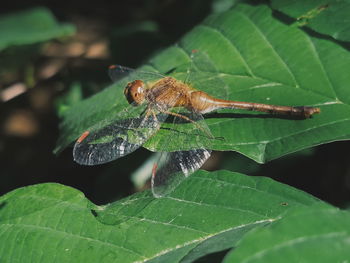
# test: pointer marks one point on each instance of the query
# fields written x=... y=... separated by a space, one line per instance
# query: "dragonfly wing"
x=118 y=138
x=177 y=166
x=173 y=167
x=118 y=73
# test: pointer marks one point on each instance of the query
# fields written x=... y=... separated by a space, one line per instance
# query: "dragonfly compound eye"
x=135 y=92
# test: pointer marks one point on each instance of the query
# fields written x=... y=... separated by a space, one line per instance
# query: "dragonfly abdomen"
x=203 y=103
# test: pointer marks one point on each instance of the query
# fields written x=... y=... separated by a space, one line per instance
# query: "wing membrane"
x=131 y=128
x=118 y=138
x=120 y=73
x=173 y=167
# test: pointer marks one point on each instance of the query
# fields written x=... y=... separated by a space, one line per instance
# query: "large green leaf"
x=31 y=26
x=250 y=56
x=310 y=235
x=208 y=212
x=323 y=16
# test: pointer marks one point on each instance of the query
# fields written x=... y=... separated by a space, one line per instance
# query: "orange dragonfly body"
x=158 y=98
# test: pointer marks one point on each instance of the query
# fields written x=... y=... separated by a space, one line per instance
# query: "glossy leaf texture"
x=305 y=235
x=325 y=17
x=249 y=56
x=208 y=212
x=31 y=26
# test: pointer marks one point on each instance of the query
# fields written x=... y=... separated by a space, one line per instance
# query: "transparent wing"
x=202 y=73
x=173 y=167
x=132 y=128
x=118 y=73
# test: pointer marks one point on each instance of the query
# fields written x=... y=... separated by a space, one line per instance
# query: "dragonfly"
x=154 y=101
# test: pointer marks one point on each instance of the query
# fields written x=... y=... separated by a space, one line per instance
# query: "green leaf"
x=222 y=5
x=306 y=235
x=208 y=212
x=250 y=56
x=326 y=17
x=72 y=96
x=31 y=26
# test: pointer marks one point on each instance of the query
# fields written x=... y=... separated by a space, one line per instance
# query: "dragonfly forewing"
x=119 y=138
x=123 y=74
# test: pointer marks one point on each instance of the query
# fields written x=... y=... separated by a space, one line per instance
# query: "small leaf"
x=31 y=26
x=305 y=235
x=208 y=212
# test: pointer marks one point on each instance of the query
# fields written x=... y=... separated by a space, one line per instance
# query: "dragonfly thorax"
x=135 y=92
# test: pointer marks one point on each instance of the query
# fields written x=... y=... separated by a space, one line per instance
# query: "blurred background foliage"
x=53 y=54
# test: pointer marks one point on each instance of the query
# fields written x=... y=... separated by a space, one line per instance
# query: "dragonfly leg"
x=189 y=120
x=150 y=112
x=155 y=116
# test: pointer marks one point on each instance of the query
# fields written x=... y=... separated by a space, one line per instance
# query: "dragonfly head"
x=135 y=92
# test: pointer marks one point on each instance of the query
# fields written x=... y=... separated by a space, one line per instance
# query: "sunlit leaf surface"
x=306 y=235
x=249 y=56
x=208 y=212
x=326 y=17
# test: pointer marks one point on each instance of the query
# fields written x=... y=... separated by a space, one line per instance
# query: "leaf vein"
x=313 y=48
x=291 y=242
x=259 y=31
x=202 y=239
x=233 y=45
x=42 y=228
